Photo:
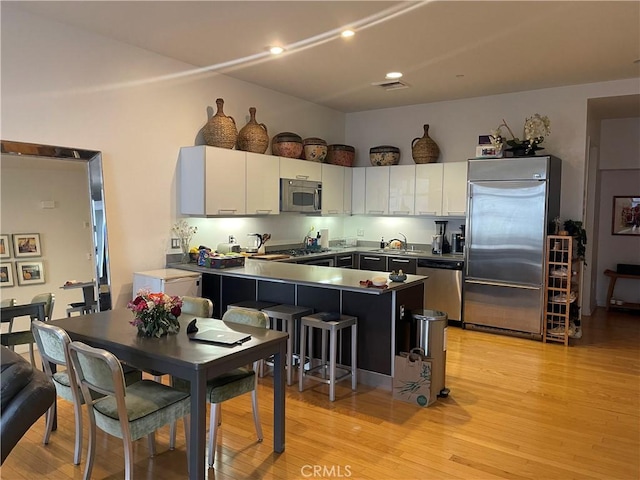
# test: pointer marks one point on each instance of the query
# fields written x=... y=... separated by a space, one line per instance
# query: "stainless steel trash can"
x=431 y=335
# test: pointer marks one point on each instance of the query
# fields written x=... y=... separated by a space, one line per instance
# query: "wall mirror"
x=55 y=194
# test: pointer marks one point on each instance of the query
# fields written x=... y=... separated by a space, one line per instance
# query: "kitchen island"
x=383 y=314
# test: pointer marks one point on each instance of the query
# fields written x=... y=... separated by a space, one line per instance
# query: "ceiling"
x=446 y=49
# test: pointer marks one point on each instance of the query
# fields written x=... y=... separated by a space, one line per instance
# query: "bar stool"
x=288 y=314
x=332 y=323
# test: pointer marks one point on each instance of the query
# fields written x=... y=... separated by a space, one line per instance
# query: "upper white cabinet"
x=377 y=190
x=429 y=189
x=332 y=189
x=300 y=169
x=263 y=184
x=454 y=189
x=212 y=181
x=402 y=183
x=358 y=190
x=347 y=190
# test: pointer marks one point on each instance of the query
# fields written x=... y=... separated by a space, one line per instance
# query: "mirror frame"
x=93 y=159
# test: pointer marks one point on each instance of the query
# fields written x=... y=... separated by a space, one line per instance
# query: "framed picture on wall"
x=26 y=245
x=30 y=272
x=626 y=215
x=5 y=246
x=6 y=275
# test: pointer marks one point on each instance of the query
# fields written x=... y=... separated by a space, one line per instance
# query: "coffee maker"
x=440 y=243
x=457 y=241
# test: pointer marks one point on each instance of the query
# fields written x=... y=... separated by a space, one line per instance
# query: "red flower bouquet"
x=156 y=314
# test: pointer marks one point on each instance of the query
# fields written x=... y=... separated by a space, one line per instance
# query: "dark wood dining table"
x=197 y=362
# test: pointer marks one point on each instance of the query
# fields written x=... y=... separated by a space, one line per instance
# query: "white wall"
x=619 y=175
x=65 y=232
x=64 y=86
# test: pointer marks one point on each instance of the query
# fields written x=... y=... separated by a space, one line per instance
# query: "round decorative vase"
x=341 y=155
x=384 y=155
x=253 y=137
x=287 y=144
x=220 y=130
x=315 y=149
x=425 y=150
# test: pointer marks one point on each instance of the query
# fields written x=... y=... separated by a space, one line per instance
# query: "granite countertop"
x=312 y=275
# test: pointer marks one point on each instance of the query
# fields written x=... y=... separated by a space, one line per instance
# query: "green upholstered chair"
x=53 y=347
x=236 y=382
x=7 y=302
x=129 y=412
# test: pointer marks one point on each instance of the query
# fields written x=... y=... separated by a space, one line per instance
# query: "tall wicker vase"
x=253 y=137
x=220 y=130
x=425 y=150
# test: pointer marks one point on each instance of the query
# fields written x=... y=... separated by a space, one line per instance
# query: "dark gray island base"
x=383 y=314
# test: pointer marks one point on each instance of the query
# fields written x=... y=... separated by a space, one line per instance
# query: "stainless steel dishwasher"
x=443 y=288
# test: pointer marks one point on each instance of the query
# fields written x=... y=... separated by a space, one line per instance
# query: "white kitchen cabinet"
x=402 y=183
x=263 y=184
x=347 y=186
x=377 y=191
x=300 y=169
x=358 y=190
x=212 y=181
x=454 y=189
x=429 y=189
x=332 y=189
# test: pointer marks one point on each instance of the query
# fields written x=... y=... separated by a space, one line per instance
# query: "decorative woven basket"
x=253 y=137
x=220 y=130
x=341 y=155
x=425 y=150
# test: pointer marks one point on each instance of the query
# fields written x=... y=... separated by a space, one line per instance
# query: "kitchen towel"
x=324 y=238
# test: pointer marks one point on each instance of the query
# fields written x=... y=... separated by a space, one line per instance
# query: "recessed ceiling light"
x=348 y=33
x=392 y=75
x=276 y=50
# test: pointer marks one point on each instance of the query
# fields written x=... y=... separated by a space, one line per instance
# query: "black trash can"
x=431 y=336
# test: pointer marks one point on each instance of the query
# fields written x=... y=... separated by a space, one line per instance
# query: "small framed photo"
x=626 y=215
x=30 y=272
x=6 y=275
x=488 y=151
x=5 y=246
x=26 y=245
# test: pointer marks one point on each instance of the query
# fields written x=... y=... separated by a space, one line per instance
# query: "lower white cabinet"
x=263 y=184
x=212 y=181
x=454 y=189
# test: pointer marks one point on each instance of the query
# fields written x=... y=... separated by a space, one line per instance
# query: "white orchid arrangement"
x=185 y=233
x=536 y=128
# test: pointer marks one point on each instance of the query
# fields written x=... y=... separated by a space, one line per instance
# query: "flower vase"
x=184 y=248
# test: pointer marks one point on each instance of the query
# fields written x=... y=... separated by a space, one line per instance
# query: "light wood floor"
x=517 y=409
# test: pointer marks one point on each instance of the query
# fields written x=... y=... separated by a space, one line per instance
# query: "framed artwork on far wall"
x=5 y=246
x=6 y=275
x=626 y=215
x=26 y=245
x=30 y=272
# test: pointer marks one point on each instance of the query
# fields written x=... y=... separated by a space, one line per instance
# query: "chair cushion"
x=150 y=405
x=230 y=385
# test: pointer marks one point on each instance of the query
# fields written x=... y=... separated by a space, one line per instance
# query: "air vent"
x=391 y=85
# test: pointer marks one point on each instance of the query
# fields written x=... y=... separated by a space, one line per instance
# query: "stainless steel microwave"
x=300 y=196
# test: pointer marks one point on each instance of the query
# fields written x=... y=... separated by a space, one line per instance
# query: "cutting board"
x=271 y=256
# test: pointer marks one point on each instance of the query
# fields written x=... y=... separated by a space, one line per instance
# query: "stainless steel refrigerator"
x=511 y=206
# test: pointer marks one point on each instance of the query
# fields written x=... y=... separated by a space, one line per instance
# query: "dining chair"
x=129 y=412
x=233 y=383
x=53 y=346
x=9 y=302
x=26 y=337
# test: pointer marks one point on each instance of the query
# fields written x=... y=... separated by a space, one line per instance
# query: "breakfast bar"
x=382 y=311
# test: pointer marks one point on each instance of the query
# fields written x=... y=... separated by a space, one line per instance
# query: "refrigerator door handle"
x=501 y=284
